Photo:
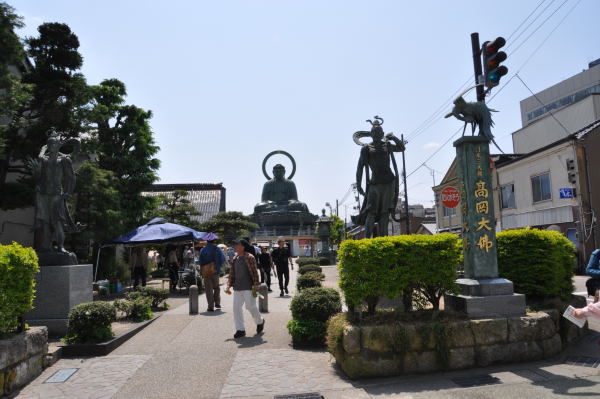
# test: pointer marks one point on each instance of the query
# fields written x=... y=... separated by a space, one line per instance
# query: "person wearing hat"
x=281 y=258
x=243 y=277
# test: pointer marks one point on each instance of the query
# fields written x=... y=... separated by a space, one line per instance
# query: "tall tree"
x=125 y=146
x=177 y=208
x=59 y=99
x=229 y=226
x=13 y=92
x=337 y=230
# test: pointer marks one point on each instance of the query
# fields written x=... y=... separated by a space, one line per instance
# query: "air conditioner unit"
x=570 y=164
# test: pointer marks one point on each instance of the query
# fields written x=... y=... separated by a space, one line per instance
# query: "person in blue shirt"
x=212 y=253
x=593 y=270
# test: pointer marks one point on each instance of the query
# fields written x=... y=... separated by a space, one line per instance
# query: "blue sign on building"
x=566 y=192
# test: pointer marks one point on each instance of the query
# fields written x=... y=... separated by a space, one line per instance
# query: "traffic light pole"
x=405 y=189
x=476 y=48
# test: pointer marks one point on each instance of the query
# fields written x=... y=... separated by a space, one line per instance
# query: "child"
x=590 y=310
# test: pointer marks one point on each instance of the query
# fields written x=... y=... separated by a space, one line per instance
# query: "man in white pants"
x=243 y=277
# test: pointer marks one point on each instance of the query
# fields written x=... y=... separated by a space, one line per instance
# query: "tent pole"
x=97 y=263
x=130 y=270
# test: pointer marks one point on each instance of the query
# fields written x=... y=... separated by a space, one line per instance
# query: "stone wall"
x=421 y=347
x=22 y=358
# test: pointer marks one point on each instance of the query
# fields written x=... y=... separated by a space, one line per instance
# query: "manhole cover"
x=475 y=381
x=584 y=361
x=61 y=375
x=308 y=395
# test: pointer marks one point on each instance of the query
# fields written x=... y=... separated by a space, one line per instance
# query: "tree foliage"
x=337 y=230
x=229 y=226
x=176 y=208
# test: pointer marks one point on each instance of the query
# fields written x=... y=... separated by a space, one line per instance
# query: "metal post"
x=337 y=208
x=405 y=189
x=476 y=48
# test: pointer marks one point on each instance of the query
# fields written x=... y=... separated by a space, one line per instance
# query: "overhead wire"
x=522 y=65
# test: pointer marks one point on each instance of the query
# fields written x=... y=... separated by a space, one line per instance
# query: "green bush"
x=335 y=331
x=18 y=266
x=90 y=322
x=306 y=330
x=316 y=304
x=324 y=261
x=157 y=295
x=159 y=273
x=137 y=309
x=310 y=279
x=307 y=261
x=540 y=263
x=310 y=268
x=392 y=266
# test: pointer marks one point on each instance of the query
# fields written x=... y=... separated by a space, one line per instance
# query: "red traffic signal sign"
x=492 y=58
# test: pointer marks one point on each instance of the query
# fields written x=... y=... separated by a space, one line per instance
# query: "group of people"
x=250 y=267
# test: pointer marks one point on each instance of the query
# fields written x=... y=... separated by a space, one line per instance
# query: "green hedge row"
x=398 y=265
x=540 y=263
x=18 y=266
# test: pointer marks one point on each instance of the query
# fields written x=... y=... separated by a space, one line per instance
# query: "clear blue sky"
x=230 y=81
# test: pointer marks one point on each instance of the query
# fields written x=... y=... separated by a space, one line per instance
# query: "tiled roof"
x=206 y=198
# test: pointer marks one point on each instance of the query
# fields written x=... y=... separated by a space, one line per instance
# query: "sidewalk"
x=183 y=356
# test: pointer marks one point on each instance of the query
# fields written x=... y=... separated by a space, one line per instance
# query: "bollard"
x=263 y=303
x=194 y=299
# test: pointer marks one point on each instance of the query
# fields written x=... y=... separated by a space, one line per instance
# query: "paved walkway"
x=183 y=356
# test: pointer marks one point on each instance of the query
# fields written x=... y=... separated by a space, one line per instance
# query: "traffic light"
x=492 y=58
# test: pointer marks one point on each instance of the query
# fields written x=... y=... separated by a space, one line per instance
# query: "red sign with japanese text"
x=450 y=197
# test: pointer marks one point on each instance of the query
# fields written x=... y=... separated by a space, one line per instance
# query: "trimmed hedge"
x=18 y=266
x=90 y=322
x=138 y=309
x=156 y=295
x=309 y=280
x=540 y=263
x=310 y=268
x=307 y=261
x=316 y=304
x=306 y=330
x=397 y=265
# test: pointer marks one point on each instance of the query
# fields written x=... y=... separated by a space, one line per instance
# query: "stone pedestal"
x=486 y=298
x=58 y=289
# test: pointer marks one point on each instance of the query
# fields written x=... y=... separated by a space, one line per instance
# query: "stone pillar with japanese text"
x=477 y=208
x=482 y=292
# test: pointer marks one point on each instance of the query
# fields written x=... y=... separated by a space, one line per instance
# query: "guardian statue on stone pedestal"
x=55 y=183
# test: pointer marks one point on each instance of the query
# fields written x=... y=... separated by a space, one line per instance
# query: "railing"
x=293 y=231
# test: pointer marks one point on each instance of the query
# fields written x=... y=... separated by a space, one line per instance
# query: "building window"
x=449 y=211
x=507 y=196
x=540 y=187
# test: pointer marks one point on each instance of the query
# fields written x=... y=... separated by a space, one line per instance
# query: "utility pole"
x=405 y=189
x=476 y=48
x=337 y=208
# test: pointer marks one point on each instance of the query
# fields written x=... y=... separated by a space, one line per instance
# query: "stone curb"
x=103 y=348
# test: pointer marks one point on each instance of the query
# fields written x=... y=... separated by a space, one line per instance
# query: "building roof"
x=206 y=198
x=430 y=227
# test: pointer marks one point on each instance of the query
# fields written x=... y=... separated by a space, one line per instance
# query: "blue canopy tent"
x=157 y=231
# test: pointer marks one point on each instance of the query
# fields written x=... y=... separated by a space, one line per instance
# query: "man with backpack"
x=211 y=260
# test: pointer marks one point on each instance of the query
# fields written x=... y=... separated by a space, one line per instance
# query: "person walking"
x=266 y=264
x=593 y=270
x=243 y=277
x=172 y=266
x=211 y=254
x=139 y=263
x=188 y=257
x=281 y=258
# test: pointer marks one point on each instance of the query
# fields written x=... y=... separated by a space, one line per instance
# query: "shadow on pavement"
x=248 y=341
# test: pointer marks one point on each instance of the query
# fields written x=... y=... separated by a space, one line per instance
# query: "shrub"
x=310 y=279
x=324 y=261
x=158 y=295
x=306 y=330
x=392 y=266
x=540 y=263
x=307 y=261
x=90 y=322
x=137 y=309
x=335 y=331
x=310 y=268
x=159 y=273
x=18 y=266
x=316 y=304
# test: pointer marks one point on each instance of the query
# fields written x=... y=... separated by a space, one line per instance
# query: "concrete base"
x=58 y=289
x=486 y=298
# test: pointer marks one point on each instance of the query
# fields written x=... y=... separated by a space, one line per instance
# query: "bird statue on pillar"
x=476 y=113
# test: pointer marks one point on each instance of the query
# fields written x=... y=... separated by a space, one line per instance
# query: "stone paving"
x=270 y=372
x=97 y=378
